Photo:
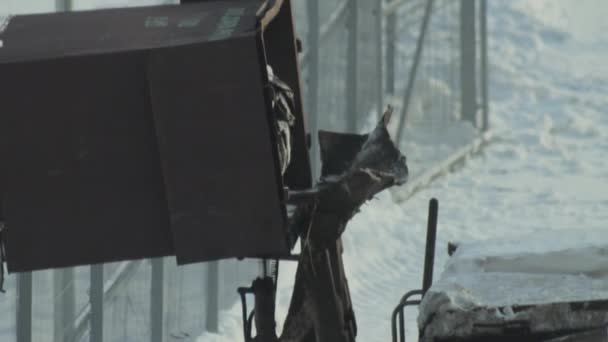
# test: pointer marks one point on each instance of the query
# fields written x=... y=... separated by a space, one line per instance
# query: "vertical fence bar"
x=96 y=299
x=391 y=56
x=483 y=13
x=352 y=67
x=414 y=69
x=313 y=81
x=63 y=5
x=468 y=88
x=212 y=304
x=24 y=307
x=64 y=304
x=379 y=59
x=171 y=300
x=157 y=300
x=429 y=251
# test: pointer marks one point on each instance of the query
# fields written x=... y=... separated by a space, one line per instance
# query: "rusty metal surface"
x=157 y=142
x=218 y=156
x=82 y=181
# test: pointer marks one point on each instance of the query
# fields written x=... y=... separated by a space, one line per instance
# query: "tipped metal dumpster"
x=146 y=132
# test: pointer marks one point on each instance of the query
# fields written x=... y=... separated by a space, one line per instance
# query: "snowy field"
x=549 y=170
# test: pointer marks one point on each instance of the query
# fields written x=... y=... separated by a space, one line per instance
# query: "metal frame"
x=468 y=49
x=157 y=304
x=64 y=5
x=427 y=276
x=413 y=71
x=96 y=295
x=212 y=307
x=64 y=305
x=483 y=31
x=352 y=72
x=24 y=307
x=314 y=36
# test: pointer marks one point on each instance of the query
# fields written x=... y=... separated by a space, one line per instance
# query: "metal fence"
x=144 y=300
x=425 y=57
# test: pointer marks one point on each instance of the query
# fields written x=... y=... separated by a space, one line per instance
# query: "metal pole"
x=212 y=322
x=413 y=71
x=24 y=307
x=483 y=13
x=64 y=304
x=379 y=60
x=352 y=68
x=64 y=5
x=313 y=82
x=157 y=300
x=391 y=56
x=96 y=299
x=467 y=62
x=431 y=238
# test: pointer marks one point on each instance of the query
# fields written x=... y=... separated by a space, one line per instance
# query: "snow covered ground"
x=549 y=170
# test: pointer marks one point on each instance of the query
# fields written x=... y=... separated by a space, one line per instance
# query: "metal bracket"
x=264 y=291
x=2 y=256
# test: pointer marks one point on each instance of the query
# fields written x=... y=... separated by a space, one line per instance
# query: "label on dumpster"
x=228 y=23
x=157 y=22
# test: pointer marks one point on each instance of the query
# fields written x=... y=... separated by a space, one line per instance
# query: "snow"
x=553 y=266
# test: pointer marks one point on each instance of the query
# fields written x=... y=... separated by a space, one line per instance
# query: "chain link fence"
x=404 y=53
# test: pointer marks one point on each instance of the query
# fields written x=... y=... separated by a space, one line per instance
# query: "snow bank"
x=490 y=281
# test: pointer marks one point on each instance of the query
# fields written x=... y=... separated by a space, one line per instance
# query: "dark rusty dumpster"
x=146 y=132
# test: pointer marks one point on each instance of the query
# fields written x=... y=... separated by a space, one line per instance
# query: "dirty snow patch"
x=554 y=266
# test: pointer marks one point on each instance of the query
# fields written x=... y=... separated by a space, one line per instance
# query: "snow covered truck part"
x=148 y=132
x=546 y=286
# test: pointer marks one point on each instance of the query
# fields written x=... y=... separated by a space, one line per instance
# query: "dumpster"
x=147 y=132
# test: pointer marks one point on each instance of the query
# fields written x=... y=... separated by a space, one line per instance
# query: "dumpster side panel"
x=217 y=150
x=81 y=175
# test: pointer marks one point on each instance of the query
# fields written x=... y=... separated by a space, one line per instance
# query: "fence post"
x=171 y=298
x=391 y=56
x=409 y=88
x=212 y=304
x=157 y=300
x=352 y=68
x=63 y=5
x=64 y=304
x=313 y=81
x=379 y=59
x=96 y=300
x=467 y=62
x=483 y=12
x=24 y=307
